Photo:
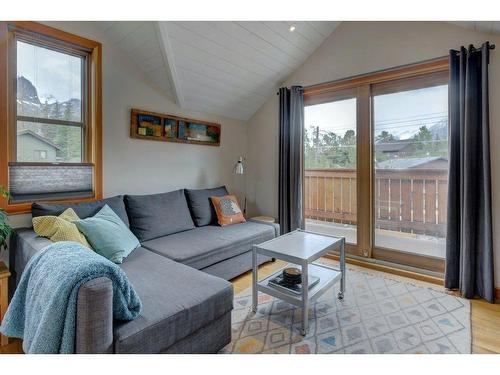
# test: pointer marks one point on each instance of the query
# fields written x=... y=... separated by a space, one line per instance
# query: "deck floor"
x=407 y=242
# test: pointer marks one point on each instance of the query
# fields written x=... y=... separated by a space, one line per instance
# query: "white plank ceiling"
x=224 y=68
x=140 y=42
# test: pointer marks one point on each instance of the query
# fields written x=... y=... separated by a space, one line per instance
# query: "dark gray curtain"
x=469 y=247
x=291 y=119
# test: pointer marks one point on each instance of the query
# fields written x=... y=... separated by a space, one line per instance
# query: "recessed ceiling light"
x=291 y=28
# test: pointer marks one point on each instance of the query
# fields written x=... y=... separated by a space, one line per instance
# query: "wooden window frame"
x=78 y=51
x=92 y=114
x=365 y=86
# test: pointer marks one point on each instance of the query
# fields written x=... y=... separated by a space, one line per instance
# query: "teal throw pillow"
x=108 y=235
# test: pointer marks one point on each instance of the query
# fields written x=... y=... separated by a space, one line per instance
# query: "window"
x=376 y=163
x=40 y=155
x=51 y=127
x=50 y=100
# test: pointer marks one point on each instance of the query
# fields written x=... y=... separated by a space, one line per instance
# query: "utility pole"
x=316 y=145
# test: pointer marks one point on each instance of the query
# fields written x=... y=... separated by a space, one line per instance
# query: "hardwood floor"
x=485 y=317
x=244 y=281
x=13 y=347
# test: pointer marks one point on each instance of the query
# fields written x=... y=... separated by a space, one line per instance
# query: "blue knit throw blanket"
x=43 y=309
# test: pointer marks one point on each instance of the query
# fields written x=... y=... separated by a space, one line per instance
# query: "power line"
x=403 y=119
x=397 y=125
x=338 y=133
x=432 y=114
x=316 y=147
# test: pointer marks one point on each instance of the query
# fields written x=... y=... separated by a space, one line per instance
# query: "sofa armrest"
x=94 y=317
x=276 y=226
x=23 y=245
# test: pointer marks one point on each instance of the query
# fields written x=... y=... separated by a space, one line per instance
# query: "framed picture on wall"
x=149 y=125
x=169 y=128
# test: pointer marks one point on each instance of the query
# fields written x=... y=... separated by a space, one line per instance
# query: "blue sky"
x=399 y=113
x=54 y=74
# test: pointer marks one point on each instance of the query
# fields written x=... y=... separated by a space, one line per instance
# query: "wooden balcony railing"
x=412 y=201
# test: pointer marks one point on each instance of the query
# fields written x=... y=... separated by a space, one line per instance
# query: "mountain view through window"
x=49 y=105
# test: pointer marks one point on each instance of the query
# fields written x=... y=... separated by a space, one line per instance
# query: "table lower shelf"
x=327 y=277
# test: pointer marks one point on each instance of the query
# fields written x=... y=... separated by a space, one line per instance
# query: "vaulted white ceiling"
x=224 y=68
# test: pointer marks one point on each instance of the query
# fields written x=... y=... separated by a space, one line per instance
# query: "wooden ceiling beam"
x=169 y=61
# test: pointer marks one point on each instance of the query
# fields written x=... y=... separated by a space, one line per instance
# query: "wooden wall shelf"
x=169 y=128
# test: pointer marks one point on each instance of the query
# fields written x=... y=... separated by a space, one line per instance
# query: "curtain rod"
x=490 y=46
x=377 y=71
x=301 y=89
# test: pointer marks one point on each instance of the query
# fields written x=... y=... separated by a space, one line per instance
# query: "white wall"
x=137 y=166
x=357 y=48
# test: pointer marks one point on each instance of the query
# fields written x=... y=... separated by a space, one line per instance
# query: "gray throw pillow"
x=84 y=209
x=201 y=206
x=156 y=215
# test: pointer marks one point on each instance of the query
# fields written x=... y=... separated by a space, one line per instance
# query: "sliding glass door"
x=411 y=170
x=330 y=167
x=376 y=163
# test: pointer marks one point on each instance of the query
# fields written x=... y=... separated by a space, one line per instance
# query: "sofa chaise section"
x=184 y=310
x=179 y=303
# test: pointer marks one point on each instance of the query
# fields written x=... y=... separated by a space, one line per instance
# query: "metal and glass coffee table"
x=301 y=248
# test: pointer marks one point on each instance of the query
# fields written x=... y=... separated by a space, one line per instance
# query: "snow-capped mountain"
x=439 y=130
x=29 y=104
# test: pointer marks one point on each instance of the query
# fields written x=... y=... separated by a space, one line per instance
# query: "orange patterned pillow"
x=228 y=210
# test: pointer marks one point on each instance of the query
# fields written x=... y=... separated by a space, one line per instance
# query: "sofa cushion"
x=176 y=301
x=204 y=246
x=228 y=210
x=60 y=228
x=230 y=268
x=156 y=215
x=201 y=207
x=108 y=235
x=84 y=209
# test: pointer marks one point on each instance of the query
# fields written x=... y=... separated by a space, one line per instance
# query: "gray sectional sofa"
x=180 y=273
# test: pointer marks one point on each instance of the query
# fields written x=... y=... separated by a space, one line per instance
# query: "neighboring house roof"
x=43 y=139
x=396 y=146
x=409 y=162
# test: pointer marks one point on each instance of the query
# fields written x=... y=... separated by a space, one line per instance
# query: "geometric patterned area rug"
x=377 y=315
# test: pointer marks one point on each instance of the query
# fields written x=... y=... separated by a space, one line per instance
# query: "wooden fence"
x=412 y=201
